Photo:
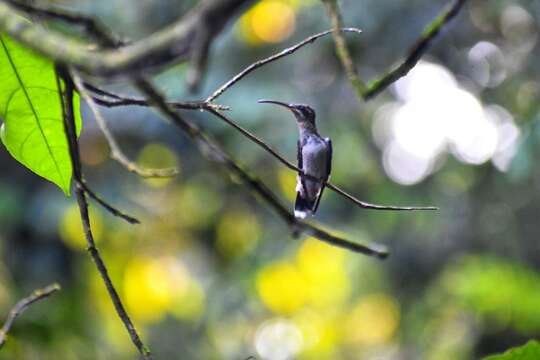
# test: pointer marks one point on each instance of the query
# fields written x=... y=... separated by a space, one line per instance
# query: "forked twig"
x=413 y=56
x=22 y=305
x=117 y=153
x=110 y=99
x=416 y=52
x=116 y=212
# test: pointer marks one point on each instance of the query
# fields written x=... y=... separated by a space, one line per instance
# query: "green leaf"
x=33 y=130
x=529 y=351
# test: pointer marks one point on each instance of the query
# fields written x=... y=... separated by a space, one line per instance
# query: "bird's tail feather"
x=303 y=206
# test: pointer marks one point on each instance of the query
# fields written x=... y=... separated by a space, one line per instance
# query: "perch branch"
x=293 y=167
x=214 y=152
x=66 y=100
x=116 y=152
x=22 y=305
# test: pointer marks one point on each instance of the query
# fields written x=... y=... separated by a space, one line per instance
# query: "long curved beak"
x=265 y=101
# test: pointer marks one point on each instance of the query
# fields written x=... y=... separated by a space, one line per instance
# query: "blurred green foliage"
x=212 y=273
x=529 y=351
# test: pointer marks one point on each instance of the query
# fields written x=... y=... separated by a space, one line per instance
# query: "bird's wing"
x=299 y=154
x=328 y=170
x=300 y=164
x=328 y=158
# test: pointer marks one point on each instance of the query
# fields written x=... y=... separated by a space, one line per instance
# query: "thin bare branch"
x=109 y=99
x=66 y=99
x=332 y=8
x=213 y=151
x=22 y=305
x=117 y=153
x=274 y=57
x=130 y=219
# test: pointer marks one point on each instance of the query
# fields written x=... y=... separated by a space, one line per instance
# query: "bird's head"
x=305 y=115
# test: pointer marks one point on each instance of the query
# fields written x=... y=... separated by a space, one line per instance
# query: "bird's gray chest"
x=314 y=157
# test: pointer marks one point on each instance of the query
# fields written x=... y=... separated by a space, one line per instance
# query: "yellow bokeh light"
x=71 y=229
x=373 y=320
x=319 y=334
x=156 y=286
x=158 y=156
x=190 y=304
x=199 y=204
x=269 y=21
x=281 y=287
x=323 y=267
x=147 y=289
x=287 y=183
x=237 y=233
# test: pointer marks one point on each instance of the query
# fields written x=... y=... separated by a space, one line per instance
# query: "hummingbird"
x=314 y=155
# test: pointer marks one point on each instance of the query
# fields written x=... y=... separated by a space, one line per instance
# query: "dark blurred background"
x=213 y=273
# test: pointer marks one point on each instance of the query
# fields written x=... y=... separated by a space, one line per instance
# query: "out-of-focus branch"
x=91 y=26
x=116 y=152
x=22 y=305
x=161 y=48
x=214 y=152
x=342 y=50
x=279 y=55
x=392 y=75
x=111 y=209
x=416 y=52
x=66 y=99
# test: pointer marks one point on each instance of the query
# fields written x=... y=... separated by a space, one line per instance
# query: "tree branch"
x=154 y=51
x=91 y=26
x=109 y=99
x=414 y=54
x=22 y=305
x=116 y=152
x=342 y=50
x=66 y=99
x=130 y=219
